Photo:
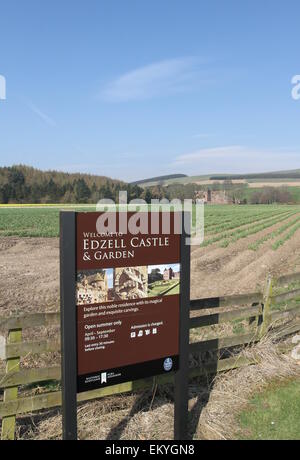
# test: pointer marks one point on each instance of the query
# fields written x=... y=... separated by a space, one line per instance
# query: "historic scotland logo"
x=168 y=364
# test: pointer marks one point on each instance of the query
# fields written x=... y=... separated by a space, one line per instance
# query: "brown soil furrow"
x=235 y=269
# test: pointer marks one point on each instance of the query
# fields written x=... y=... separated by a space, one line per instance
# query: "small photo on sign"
x=163 y=280
x=127 y=283
x=94 y=286
x=106 y=285
x=130 y=283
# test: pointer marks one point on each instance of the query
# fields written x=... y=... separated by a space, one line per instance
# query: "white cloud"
x=238 y=158
x=217 y=152
x=159 y=78
x=43 y=116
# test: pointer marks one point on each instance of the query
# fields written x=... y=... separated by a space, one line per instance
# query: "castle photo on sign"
x=125 y=283
x=163 y=279
x=94 y=286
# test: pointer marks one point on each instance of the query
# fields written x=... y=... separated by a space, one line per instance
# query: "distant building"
x=214 y=197
x=169 y=274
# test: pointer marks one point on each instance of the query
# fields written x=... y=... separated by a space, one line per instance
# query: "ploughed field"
x=242 y=244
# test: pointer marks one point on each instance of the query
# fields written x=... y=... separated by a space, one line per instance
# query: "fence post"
x=68 y=324
x=267 y=299
x=254 y=320
x=181 y=391
x=12 y=365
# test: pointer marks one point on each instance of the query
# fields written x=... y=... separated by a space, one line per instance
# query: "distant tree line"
x=21 y=184
x=295 y=174
x=270 y=195
x=239 y=192
x=189 y=190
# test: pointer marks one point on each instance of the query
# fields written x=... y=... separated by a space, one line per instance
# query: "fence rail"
x=254 y=306
x=30 y=321
x=224 y=317
x=226 y=301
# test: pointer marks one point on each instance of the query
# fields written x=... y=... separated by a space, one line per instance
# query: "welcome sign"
x=124 y=288
x=127 y=301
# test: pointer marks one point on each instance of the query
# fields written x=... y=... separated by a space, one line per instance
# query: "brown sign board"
x=127 y=301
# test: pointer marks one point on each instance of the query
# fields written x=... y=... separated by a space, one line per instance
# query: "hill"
x=33 y=175
x=291 y=174
x=159 y=180
x=207 y=179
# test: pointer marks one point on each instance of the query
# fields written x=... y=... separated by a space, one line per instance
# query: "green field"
x=32 y=221
x=273 y=414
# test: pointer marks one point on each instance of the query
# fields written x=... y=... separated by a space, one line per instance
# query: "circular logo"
x=168 y=364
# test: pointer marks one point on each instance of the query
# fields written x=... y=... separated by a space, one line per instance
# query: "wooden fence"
x=259 y=308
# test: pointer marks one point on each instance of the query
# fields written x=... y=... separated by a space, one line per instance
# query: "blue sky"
x=133 y=89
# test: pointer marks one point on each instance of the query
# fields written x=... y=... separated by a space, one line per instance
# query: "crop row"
x=219 y=220
x=253 y=230
x=286 y=237
x=234 y=214
x=254 y=246
x=45 y=221
x=244 y=221
x=243 y=233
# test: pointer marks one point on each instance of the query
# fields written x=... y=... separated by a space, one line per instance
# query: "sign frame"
x=69 y=329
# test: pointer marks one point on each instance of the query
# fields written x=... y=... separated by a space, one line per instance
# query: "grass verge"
x=274 y=414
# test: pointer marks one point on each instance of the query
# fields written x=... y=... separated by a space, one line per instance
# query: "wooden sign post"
x=124 y=309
